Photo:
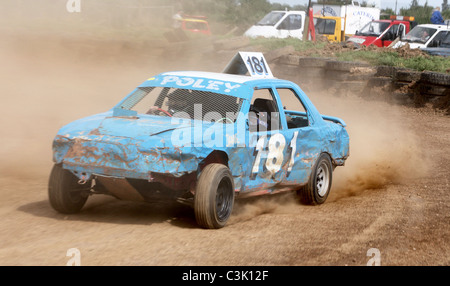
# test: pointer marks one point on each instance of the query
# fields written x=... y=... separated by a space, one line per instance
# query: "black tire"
x=436 y=78
x=432 y=89
x=347 y=76
x=309 y=62
x=406 y=75
x=319 y=185
x=290 y=60
x=65 y=194
x=385 y=82
x=343 y=66
x=385 y=71
x=214 y=196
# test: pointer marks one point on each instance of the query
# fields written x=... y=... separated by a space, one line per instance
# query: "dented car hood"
x=126 y=147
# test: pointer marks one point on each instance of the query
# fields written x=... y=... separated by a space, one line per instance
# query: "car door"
x=290 y=26
x=303 y=135
x=266 y=143
x=436 y=41
x=391 y=34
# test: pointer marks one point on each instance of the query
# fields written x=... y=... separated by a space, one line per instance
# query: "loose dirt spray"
x=384 y=150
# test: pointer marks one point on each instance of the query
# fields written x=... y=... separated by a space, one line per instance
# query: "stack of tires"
x=392 y=84
x=380 y=86
x=420 y=87
x=405 y=82
x=434 y=84
x=308 y=72
x=348 y=78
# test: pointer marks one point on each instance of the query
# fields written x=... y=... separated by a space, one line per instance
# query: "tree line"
x=244 y=13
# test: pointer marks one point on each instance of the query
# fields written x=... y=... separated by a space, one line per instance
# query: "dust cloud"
x=384 y=147
x=384 y=150
x=58 y=67
x=53 y=76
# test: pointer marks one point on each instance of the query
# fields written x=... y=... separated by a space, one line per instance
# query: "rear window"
x=325 y=26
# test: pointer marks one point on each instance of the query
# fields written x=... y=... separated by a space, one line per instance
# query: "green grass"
x=273 y=44
x=393 y=58
x=374 y=56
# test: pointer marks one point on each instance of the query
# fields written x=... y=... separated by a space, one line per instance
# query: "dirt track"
x=393 y=194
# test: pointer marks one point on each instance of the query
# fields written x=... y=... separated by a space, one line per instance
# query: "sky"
x=383 y=3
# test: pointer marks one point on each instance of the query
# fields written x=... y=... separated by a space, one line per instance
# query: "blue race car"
x=203 y=139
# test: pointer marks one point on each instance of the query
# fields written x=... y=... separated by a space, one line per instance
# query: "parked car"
x=382 y=33
x=279 y=24
x=424 y=36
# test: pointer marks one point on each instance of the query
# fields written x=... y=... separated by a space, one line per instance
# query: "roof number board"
x=252 y=63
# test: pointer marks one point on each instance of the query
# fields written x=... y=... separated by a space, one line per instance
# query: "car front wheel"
x=65 y=194
x=214 y=196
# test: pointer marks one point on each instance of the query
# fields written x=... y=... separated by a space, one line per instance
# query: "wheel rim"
x=224 y=200
x=322 y=180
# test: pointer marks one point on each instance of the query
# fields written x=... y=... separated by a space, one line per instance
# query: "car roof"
x=212 y=75
x=235 y=85
x=434 y=26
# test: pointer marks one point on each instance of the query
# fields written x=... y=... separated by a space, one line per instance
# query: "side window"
x=394 y=29
x=391 y=34
x=446 y=39
x=296 y=113
x=296 y=22
x=440 y=36
x=263 y=114
x=292 y=22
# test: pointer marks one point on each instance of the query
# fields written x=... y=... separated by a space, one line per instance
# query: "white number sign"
x=256 y=64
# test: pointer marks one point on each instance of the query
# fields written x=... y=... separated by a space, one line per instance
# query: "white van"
x=279 y=24
x=424 y=36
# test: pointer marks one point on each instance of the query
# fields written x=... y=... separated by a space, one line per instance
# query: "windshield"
x=419 y=35
x=271 y=19
x=374 y=29
x=183 y=103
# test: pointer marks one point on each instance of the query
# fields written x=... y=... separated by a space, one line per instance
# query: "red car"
x=381 y=33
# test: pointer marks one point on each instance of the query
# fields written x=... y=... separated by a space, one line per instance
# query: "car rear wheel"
x=65 y=194
x=319 y=185
x=214 y=196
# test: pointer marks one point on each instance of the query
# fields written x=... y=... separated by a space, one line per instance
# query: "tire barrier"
x=399 y=85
